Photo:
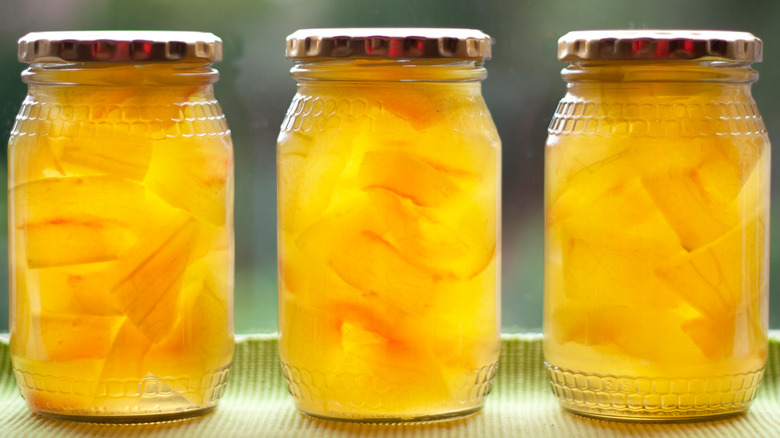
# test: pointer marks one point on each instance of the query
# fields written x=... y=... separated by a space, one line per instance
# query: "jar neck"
x=388 y=70
x=106 y=74
x=628 y=72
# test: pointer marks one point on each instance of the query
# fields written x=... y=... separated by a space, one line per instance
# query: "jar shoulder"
x=396 y=112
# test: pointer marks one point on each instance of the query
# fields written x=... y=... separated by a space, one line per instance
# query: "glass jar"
x=657 y=226
x=121 y=227
x=388 y=199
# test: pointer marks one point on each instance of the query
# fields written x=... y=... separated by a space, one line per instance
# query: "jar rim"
x=660 y=45
x=119 y=46
x=389 y=42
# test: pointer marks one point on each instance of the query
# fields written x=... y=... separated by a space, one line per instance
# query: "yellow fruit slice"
x=376 y=268
x=68 y=337
x=390 y=372
x=457 y=242
x=713 y=336
x=626 y=330
x=407 y=176
x=617 y=262
x=85 y=241
x=417 y=232
x=601 y=180
x=82 y=288
x=585 y=169
x=714 y=279
x=194 y=174
x=421 y=108
x=147 y=279
x=698 y=200
x=76 y=220
x=307 y=177
x=123 y=359
x=31 y=159
x=200 y=344
x=124 y=156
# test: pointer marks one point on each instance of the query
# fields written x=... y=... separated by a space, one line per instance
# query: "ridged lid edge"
x=119 y=46
x=659 y=45
x=394 y=43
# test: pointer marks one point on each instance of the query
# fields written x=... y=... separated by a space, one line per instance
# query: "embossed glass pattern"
x=120 y=200
x=388 y=192
x=656 y=256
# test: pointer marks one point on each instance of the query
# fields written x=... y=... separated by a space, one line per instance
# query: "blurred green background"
x=255 y=89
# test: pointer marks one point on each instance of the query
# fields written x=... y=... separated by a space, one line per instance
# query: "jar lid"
x=393 y=43
x=119 y=46
x=659 y=45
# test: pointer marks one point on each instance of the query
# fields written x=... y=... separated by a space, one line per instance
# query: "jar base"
x=129 y=419
x=370 y=401
x=653 y=399
x=437 y=418
x=623 y=417
x=148 y=400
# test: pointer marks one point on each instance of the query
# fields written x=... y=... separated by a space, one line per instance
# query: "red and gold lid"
x=393 y=43
x=648 y=44
x=120 y=46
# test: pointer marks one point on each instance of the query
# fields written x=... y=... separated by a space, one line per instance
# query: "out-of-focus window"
x=522 y=91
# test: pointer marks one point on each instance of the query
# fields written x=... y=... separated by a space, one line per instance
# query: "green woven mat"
x=257 y=405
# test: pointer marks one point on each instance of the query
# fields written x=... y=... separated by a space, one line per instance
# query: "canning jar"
x=388 y=199
x=657 y=226
x=121 y=227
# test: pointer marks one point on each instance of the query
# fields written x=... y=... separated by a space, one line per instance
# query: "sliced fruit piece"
x=698 y=214
x=294 y=266
x=387 y=370
x=421 y=108
x=440 y=239
x=713 y=336
x=68 y=337
x=714 y=279
x=373 y=266
x=359 y=357
x=64 y=242
x=83 y=287
x=195 y=174
x=416 y=231
x=124 y=359
x=612 y=247
x=200 y=344
x=610 y=177
x=307 y=176
x=147 y=279
x=698 y=200
x=454 y=243
x=131 y=91
x=655 y=337
x=463 y=321
x=76 y=220
x=210 y=238
x=478 y=227
x=585 y=169
x=112 y=154
x=406 y=176
x=463 y=124
x=31 y=159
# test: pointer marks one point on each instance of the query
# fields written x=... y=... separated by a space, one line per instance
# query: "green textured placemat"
x=521 y=405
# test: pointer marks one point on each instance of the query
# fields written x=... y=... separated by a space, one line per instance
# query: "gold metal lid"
x=659 y=45
x=394 y=43
x=119 y=46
